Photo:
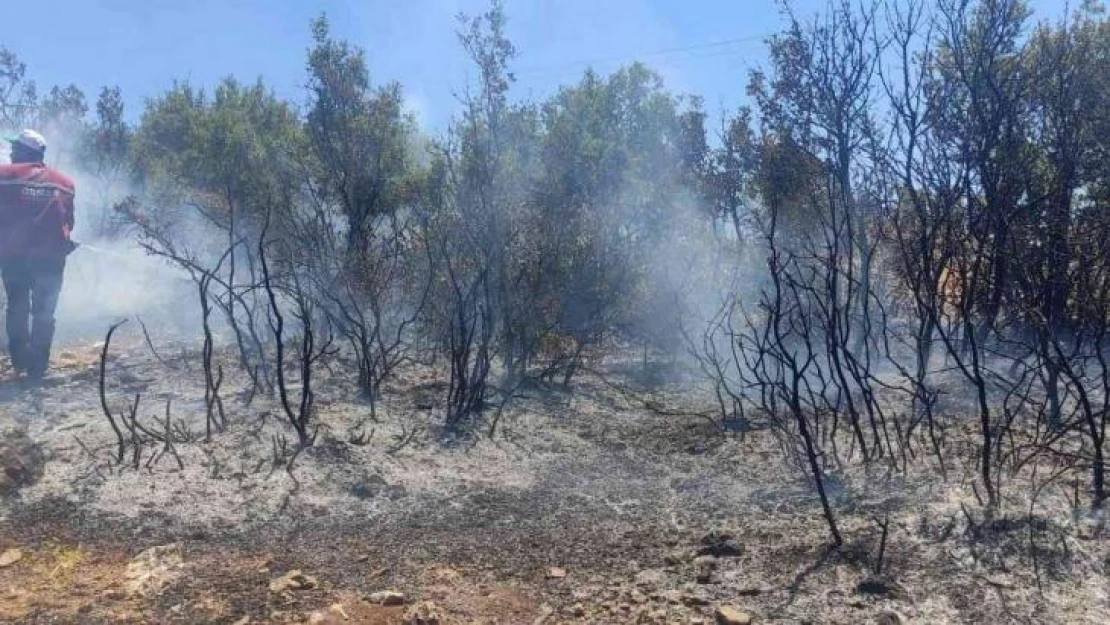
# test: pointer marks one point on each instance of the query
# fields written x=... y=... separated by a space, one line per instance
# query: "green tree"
x=18 y=96
x=360 y=136
x=619 y=157
x=365 y=182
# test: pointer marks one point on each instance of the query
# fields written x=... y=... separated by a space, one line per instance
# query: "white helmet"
x=29 y=139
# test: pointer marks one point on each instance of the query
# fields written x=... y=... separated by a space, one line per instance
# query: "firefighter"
x=36 y=219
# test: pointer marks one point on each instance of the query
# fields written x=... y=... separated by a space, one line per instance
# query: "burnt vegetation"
x=914 y=212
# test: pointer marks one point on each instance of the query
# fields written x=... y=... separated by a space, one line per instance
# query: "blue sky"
x=705 y=47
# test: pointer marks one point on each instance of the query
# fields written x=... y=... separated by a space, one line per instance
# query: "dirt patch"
x=66 y=581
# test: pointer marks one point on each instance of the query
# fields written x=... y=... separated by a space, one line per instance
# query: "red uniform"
x=36 y=212
x=36 y=219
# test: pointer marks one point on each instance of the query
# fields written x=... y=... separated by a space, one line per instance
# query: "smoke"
x=110 y=276
x=107 y=280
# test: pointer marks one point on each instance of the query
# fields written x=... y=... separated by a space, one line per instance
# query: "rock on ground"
x=425 y=613
x=387 y=597
x=21 y=462
x=332 y=616
x=731 y=615
x=10 y=557
x=293 y=580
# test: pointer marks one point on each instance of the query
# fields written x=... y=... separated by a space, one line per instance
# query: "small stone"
x=578 y=610
x=425 y=613
x=694 y=600
x=889 y=617
x=556 y=573
x=639 y=597
x=243 y=621
x=293 y=580
x=327 y=617
x=21 y=461
x=10 y=557
x=1000 y=582
x=387 y=597
x=731 y=615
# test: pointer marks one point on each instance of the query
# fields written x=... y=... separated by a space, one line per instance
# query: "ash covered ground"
x=584 y=507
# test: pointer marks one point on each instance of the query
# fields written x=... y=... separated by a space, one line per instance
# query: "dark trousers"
x=32 y=287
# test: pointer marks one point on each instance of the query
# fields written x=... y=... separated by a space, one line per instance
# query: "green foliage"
x=360 y=137
x=111 y=141
x=17 y=92
x=617 y=157
x=229 y=152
